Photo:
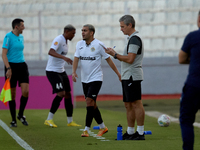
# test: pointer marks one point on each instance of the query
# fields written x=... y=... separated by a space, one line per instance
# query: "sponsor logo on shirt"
x=56 y=43
x=92 y=49
x=87 y=58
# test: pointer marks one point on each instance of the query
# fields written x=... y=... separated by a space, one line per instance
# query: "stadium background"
x=163 y=24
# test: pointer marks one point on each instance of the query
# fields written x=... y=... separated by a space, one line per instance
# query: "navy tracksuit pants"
x=189 y=105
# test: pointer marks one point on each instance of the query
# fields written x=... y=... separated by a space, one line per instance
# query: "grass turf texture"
x=41 y=137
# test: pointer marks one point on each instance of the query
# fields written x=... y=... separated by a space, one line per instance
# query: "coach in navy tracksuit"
x=190 y=99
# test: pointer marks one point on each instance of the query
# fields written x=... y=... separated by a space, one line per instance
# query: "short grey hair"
x=127 y=19
x=90 y=27
x=69 y=27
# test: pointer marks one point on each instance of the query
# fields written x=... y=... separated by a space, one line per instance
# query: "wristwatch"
x=8 y=68
x=115 y=56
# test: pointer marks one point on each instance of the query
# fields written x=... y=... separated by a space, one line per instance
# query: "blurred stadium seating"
x=163 y=24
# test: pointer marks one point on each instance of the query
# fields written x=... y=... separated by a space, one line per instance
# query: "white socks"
x=87 y=128
x=50 y=116
x=130 y=130
x=102 y=125
x=69 y=119
x=140 y=130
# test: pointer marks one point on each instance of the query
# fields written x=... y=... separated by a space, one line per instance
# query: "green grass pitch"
x=41 y=137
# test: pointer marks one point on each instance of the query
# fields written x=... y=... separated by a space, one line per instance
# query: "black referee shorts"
x=92 y=89
x=131 y=90
x=59 y=81
x=19 y=73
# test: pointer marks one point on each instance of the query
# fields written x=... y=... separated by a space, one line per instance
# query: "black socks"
x=69 y=107
x=23 y=102
x=12 y=106
x=89 y=115
x=55 y=104
x=97 y=116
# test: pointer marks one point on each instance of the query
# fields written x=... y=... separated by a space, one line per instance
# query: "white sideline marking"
x=156 y=114
x=21 y=142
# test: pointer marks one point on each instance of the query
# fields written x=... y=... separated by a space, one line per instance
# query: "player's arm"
x=74 y=68
x=183 y=57
x=128 y=59
x=53 y=53
x=5 y=60
x=113 y=66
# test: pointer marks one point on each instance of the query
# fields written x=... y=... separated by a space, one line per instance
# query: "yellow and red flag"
x=6 y=92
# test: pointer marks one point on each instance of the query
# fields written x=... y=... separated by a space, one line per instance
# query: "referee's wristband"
x=8 y=68
x=115 y=56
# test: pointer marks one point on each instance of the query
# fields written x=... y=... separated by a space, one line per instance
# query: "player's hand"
x=68 y=60
x=9 y=73
x=74 y=76
x=110 y=51
x=119 y=76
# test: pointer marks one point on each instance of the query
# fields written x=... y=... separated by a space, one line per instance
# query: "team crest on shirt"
x=92 y=49
x=56 y=43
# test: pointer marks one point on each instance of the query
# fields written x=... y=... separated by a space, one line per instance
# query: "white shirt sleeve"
x=102 y=51
x=77 y=54
x=55 y=44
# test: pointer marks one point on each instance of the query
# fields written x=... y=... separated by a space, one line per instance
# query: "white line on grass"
x=156 y=114
x=21 y=142
x=94 y=135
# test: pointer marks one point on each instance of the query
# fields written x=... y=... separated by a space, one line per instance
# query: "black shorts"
x=92 y=89
x=19 y=73
x=59 y=81
x=131 y=90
